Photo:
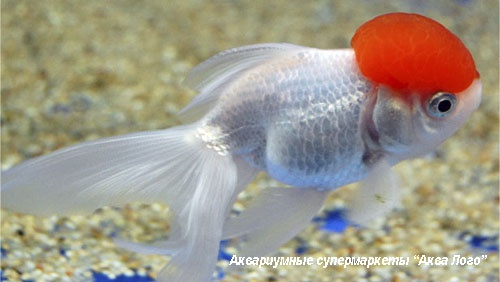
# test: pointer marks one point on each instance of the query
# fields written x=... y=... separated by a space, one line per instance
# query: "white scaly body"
x=305 y=116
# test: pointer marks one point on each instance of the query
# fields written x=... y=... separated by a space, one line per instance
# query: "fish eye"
x=441 y=104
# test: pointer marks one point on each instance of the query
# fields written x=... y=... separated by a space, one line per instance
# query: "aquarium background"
x=81 y=70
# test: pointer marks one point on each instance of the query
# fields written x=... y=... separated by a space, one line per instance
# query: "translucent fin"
x=232 y=61
x=222 y=68
x=203 y=218
x=173 y=166
x=144 y=166
x=274 y=217
x=168 y=247
x=377 y=195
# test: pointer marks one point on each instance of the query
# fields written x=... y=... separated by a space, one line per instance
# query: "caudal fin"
x=173 y=166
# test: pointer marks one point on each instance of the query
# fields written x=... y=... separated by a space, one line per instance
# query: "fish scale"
x=308 y=127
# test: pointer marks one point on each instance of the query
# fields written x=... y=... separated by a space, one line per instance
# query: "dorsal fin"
x=221 y=68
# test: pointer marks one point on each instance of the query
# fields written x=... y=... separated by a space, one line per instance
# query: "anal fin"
x=274 y=217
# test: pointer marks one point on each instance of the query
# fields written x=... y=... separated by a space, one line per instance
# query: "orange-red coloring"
x=413 y=53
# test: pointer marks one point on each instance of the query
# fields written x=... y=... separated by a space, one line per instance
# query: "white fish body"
x=297 y=115
x=307 y=117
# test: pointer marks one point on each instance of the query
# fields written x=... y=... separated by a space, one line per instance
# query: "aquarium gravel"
x=80 y=70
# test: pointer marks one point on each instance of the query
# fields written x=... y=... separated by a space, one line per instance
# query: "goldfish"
x=312 y=119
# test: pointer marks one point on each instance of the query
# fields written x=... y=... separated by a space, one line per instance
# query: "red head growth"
x=410 y=52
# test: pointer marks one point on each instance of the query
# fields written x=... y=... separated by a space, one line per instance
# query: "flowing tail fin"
x=173 y=166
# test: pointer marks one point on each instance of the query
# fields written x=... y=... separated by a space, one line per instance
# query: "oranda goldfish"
x=313 y=119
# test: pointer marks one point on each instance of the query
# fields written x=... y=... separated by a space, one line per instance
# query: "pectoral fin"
x=377 y=195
